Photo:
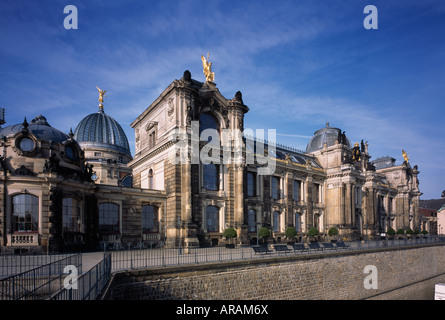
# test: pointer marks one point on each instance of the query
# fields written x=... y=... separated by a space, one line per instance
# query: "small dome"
x=326 y=135
x=99 y=130
x=39 y=127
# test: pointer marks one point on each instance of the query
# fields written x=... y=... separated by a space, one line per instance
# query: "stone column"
x=239 y=203
x=188 y=232
x=348 y=209
x=342 y=204
x=309 y=198
x=352 y=205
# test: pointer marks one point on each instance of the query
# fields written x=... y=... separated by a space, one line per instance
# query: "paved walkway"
x=90 y=259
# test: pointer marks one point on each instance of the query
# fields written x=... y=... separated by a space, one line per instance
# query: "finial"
x=187 y=75
x=25 y=125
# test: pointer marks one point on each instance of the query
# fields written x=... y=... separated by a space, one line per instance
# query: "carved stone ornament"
x=171 y=107
x=151 y=125
x=23 y=171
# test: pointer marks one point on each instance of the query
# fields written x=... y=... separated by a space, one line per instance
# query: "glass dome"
x=326 y=135
x=99 y=130
x=39 y=127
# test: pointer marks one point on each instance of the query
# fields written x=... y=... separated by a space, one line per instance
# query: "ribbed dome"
x=102 y=131
x=39 y=127
x=326 y=135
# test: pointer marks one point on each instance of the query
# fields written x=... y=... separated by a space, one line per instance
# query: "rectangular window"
x=25 y=213
x=212 y=219
x=316 y=193
x=275 y=188
x=108 y=218
x=296 y=190
x=151 y=139
x=276 y=221
x=251 y=184
x=251 y=219
x=211 y=176
x=71 y=215
x=297 y=221
x=150 y=223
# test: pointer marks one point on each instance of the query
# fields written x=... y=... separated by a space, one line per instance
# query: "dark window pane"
x=211 y=176
x=276 y=221
x=251 y=220
x=251 y=184
x=150 y=221
x=275 y=188
x=296 y=190
x=71 y=215
x=108 y=218
x=212 y=219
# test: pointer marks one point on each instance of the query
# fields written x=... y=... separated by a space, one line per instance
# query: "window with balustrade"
x=25 y=213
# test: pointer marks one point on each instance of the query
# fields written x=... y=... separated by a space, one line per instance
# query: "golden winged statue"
x=101 y=94
x=405 y=156
x=207 y=66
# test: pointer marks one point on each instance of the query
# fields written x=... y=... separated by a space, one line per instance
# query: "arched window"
x=127 y=181
x=207 y=121
x=251 y=220
x=150 y=222
x=25 y=213
x=212 y=219
x=276 y=221
x=108 y=218
x=71 y=219
x=211 y=176
x=150 y=179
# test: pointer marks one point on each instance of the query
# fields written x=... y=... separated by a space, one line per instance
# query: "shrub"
x=391 y=232
x=230 y=233
x=409 y=231
x=291 y=232
x=264 y=232
x=400 y=231
x=313 y=232
x=333 y=232
x=424 y=232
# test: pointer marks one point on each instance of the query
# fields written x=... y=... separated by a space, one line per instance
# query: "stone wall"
x=403 y=273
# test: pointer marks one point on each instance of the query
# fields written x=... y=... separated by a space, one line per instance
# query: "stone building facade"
x=331 y=184
x=195 y=173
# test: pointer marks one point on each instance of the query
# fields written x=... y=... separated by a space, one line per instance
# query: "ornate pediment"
x=151 y=125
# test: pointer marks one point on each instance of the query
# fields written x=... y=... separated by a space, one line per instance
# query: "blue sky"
x=299 y=64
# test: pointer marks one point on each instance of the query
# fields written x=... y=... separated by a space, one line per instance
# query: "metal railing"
x=38 y=283
x=89 y=285
x=13 y=264
x=47 y=281
x=161 y=257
